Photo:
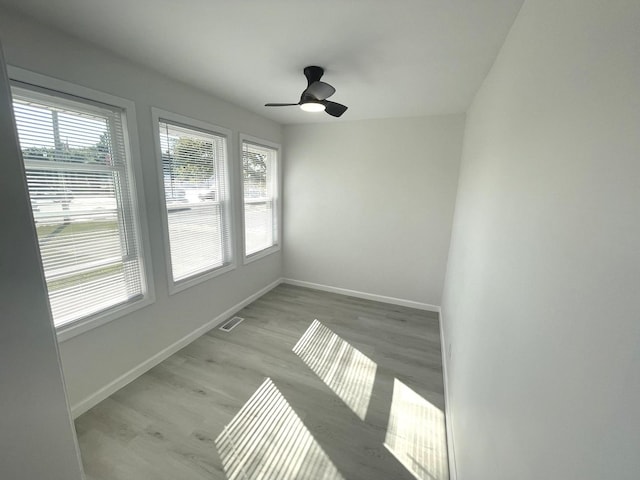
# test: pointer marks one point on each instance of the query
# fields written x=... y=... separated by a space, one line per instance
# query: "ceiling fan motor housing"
x=313 y=74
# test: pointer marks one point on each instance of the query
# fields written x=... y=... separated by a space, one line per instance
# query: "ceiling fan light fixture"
x=312 y=107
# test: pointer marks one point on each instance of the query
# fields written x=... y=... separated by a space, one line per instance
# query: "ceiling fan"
x=314 y=97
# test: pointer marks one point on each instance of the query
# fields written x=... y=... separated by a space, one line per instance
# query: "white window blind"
x=80 y=184
x=260 y=187
x=194 y=166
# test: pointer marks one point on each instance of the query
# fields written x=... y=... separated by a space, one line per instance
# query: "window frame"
x=158 y=115
x=22 y=78
x=277 y=204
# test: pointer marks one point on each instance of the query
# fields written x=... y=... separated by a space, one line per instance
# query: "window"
x=81 y=185
x=260 y=197
x=195 y=183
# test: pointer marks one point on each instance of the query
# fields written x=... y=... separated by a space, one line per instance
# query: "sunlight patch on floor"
x=267 y=440
x=343 y=368
x=416 y=434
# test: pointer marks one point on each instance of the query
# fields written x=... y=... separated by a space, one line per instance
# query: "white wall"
x=542 y=303
x=369 y=204
x=96 y=358
x=37 y=439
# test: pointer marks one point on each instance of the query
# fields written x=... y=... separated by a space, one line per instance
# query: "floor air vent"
x=231 y=324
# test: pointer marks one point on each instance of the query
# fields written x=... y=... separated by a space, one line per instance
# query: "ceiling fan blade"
x=334 y=109
x=280 y=104
x=319 y=90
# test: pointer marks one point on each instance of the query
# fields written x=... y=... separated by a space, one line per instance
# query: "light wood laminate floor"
x=312 y=385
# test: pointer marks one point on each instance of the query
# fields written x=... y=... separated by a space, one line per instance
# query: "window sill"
x=175 y=287
x=78 y=327
x=260 y=254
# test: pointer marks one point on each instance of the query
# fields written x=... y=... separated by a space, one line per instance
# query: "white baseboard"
x=367 y=296
x=451 y=451
x=92 y=400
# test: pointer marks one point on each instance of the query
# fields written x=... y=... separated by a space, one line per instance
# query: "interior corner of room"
x=472 y=261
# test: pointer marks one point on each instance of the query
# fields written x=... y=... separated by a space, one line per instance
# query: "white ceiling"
x=386 y=58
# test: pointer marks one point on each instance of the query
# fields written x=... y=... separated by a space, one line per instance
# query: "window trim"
x=157 y=115
x=25 y=78
x=276 y=247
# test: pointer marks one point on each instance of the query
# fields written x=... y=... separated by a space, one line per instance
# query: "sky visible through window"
x=35 y=127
